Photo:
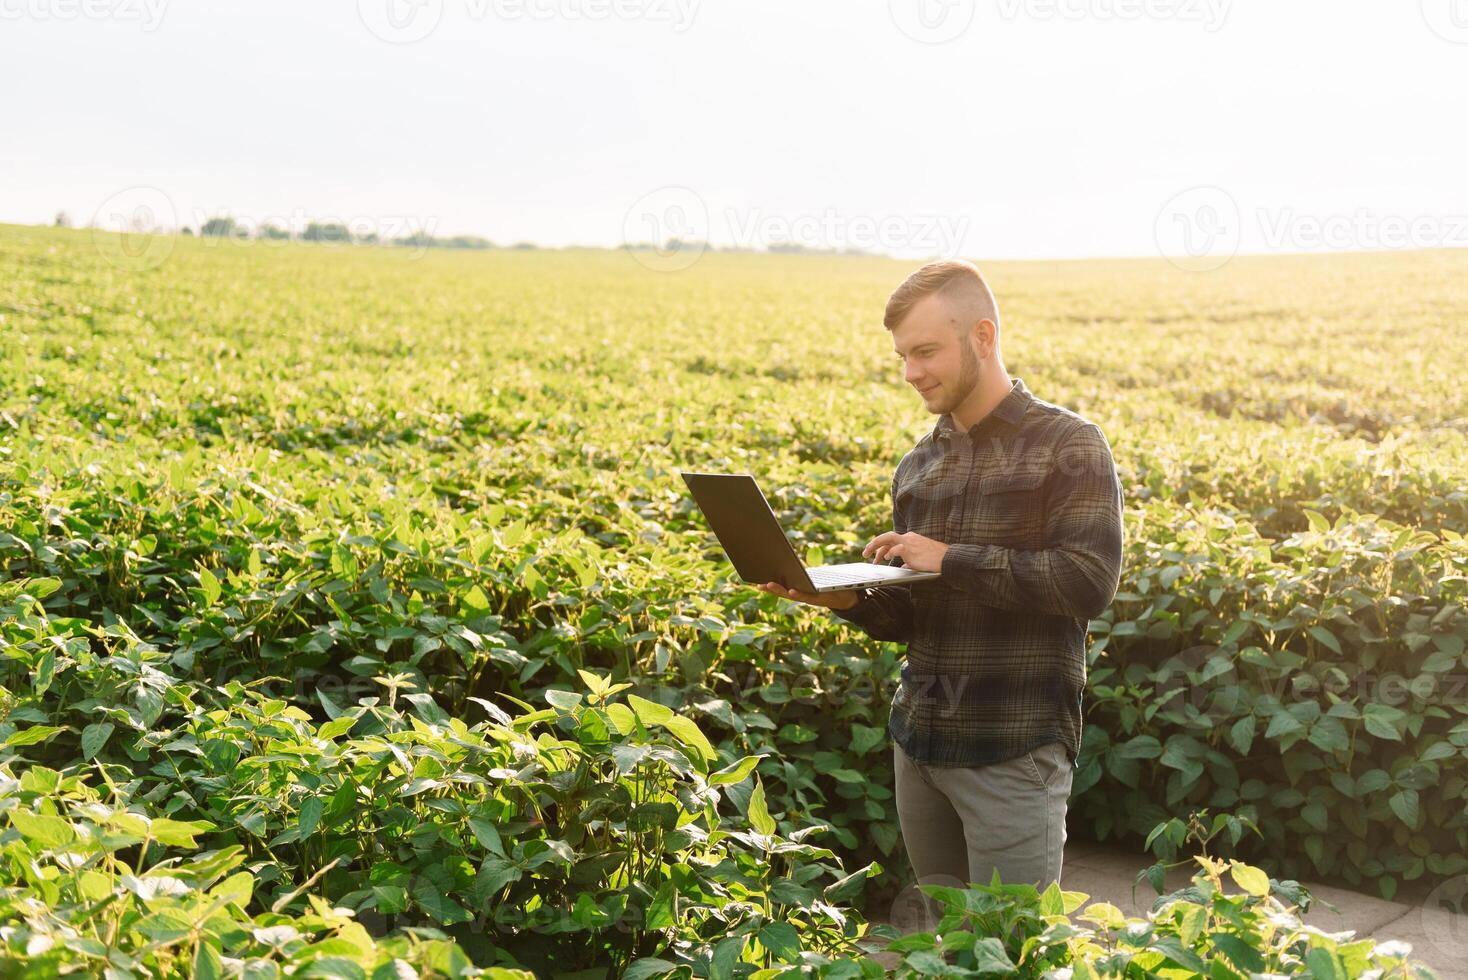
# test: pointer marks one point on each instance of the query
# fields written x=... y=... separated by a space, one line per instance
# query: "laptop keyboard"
x=842 y=576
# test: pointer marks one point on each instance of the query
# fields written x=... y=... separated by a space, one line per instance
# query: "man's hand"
x=844 y=599
x=917 y=552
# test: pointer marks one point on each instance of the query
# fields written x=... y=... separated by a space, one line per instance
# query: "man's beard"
x=968 y=378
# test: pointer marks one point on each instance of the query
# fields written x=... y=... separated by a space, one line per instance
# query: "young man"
x=1016 y=502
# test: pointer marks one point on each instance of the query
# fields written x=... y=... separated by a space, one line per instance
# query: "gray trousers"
x=959 y=824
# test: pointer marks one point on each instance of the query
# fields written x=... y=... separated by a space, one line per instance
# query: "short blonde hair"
x=956 y=279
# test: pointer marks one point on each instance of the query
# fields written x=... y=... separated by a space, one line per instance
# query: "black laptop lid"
x=747 y=528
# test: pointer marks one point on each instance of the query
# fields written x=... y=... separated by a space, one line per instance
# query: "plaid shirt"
x=1030 y=506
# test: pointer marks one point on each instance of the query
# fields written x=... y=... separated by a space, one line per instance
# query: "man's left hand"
x=917 y=552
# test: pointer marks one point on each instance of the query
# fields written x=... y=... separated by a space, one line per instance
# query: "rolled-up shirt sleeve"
x=1078 y=571
x=885 y=612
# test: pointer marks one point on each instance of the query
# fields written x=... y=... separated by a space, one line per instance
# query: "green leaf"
x=45 y=672
x=210 y=585
x=1316 y=815
x=864 y=738
x=734 y=772
x=622 y=718
x=487 y=835
x=337 y=727
x=1174 y=950
x=595 y=683
x=34 y=734
x=1249 y=878
x=1381 y=720
x=1141 y=747
x=565 y=700
x=687 y=732
x=495 y=873
x=47 y=830
x=648 y=967
x=990 y=957
x=1245 y=957
x=1326 y=637
x=1283 y=723
x=311 y=815
x=1317 y=520
x=1325 y=964
x=661 y=913
x=40 y=588
x=236 y=889
x=649 y=712
x=475 y=600
x=759 y=814
x=178 y=833
x=847 y=888
x=1241 y=735
x=1406 y=805
x=781 y=939
x=726 y=956
x=439 y=906
x=94 y=738
x=1329 y=735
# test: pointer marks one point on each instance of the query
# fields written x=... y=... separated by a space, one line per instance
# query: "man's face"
x=942 y=367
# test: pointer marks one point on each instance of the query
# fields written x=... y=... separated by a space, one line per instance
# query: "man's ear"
x=988 y=333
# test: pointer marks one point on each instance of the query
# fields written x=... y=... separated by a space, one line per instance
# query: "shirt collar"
x=1010 y=409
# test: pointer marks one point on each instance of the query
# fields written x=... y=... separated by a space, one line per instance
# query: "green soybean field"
x=354 y=620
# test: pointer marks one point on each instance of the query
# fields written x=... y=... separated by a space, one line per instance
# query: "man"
x=1016 y=502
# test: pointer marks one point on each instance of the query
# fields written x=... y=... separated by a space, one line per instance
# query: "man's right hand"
x=844 y=599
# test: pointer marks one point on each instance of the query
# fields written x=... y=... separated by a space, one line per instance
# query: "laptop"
x=754 y=541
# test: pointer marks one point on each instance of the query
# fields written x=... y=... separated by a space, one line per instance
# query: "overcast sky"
x=1006 y=128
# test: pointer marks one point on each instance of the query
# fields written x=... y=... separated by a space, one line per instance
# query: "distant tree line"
x=331 y=231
